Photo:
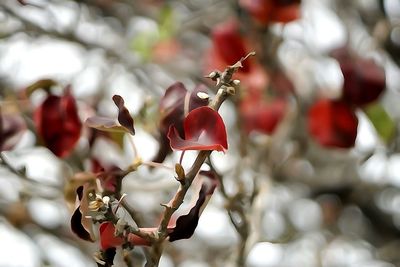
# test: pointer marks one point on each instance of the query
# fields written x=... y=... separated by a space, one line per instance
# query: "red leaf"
x=172 y=112
x=12 y=128
x=229 y=44
x=109 y=240
x=228 y=47
x=333 y=124
x=259 y=115
x=267 y=11
x=107 y=236
x=204 y=130
x=58 y=123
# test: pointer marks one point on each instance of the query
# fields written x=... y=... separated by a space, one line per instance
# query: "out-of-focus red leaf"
x=364 y=81
x=229 y=44
x=227 y=48
x=125 y=122
x=260 y=115
x=58 y=123
x=80 y=224
x=124 y=117
x=185 y=225
x=268 y=11
x=332 y=123
x=111 y=179
x=204 y=129
x=12 y=128
x=176 y=101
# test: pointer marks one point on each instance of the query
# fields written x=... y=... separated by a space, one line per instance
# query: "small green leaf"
x=383 y=123
x=166 y=24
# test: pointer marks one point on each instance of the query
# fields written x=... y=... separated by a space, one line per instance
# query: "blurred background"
x=312 y=174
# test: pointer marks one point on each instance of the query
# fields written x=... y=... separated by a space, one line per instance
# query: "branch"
x=225 y=87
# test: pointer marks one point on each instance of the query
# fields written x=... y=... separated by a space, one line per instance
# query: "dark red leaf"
x=204 y=129
x=364 y=81
x=125 y=122
x=77 y=227
x=124 y=117
x=12 y=128
x=176 y=101
x=333 y=123
x=185 y=225
x=267 y=11
x=229 y=44
x=260 y=115
x=58 y=123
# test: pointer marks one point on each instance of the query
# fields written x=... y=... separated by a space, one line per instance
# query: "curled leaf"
x=204 y=129
x=185 y=225
x=124 y=124
x=124 y=117
x=81 y=225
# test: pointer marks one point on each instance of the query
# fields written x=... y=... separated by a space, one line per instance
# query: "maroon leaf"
x=333 y=124
x=58 y=123
x=204 y=129
x=229 y=44
x=12 y=128
x=124 y=117
x=185 y=225
x=125 y=122
x=364 y=81
x=267 y=11
x=172 y=112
